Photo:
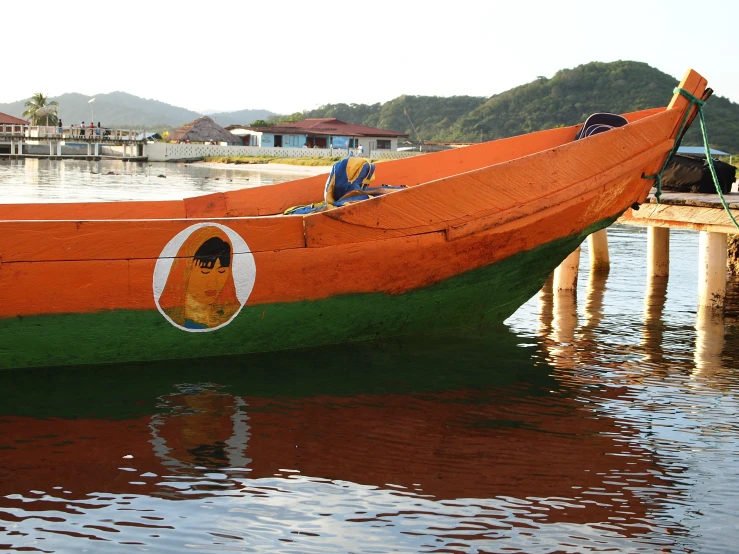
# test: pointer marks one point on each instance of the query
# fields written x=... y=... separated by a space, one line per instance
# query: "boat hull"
x=481 y=296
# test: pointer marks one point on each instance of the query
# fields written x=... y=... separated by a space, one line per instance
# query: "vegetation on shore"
x=237 y=160
x=568 y=98
x=41 y=110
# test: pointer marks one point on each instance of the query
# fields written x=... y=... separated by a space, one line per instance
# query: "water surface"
x=598 y=422
x=39 y=180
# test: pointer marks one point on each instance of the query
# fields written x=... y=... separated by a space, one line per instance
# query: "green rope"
x=694 y=101
x=713 y=169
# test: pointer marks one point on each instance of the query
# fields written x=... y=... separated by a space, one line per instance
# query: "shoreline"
x=307 y=170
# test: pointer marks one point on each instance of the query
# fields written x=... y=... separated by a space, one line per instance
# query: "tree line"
x=568 y=98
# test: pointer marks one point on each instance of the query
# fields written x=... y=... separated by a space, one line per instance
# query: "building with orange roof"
x=323 y=133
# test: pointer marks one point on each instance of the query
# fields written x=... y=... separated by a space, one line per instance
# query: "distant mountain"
x=241 y=117
x=569 y=97
x=121 y=109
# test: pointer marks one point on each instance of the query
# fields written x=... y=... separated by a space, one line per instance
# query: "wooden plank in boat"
x=30 y=241
x=521 y=184
x=151 y=209
x=409 y=171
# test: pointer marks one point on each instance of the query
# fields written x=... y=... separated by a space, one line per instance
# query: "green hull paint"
x=481 y=296
x=487 y=356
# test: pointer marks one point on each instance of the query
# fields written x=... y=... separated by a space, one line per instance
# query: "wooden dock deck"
x=34 y=141
x=700 y=212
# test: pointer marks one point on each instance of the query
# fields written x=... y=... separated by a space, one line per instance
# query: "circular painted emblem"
x=203 y=277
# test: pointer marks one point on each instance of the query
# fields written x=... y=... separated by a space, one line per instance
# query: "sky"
x=291 y=56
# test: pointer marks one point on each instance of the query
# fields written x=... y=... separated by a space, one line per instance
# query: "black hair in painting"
x=211 y=250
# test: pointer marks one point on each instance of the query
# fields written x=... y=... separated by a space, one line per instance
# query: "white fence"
x=163 y=151
x=35 y=132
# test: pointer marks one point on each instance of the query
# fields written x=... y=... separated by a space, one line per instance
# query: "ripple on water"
x=603 y=422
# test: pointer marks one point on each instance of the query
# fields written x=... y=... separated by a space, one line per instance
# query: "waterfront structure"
x=10 y=126
x=6 y=119
x=325 y=133
x=697 y=211
x=44 y=141
x=249 y=137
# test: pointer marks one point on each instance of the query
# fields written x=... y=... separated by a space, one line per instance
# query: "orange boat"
x=472 y=237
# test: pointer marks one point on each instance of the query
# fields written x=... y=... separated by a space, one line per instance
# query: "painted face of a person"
x=206 y=283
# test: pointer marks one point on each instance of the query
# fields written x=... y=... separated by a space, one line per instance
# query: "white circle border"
x=243 y=270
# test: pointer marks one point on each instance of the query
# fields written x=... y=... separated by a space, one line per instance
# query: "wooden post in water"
x=598 y=247
x=565 y=276
x=658 y=251
x=712 y=270
x=709 y=341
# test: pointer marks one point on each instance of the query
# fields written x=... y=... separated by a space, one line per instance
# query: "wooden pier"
x=51 y=142
x=701 y=212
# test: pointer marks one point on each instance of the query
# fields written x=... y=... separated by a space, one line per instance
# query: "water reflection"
x=200 y=426
x=661 y=403
x=38 y=180
x=568 y=343
x=655 y=297
x=605 y=420
x=709 y=342
x=448 y=441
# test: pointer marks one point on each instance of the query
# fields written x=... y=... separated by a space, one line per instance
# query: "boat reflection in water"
x=445 y=441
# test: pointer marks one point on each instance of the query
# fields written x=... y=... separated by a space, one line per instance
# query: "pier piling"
x=565 y=276
x=712 y=267
x=658 y=251
x=598 y=248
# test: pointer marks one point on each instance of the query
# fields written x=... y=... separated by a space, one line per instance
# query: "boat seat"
x=369 y=192
x=599 y=123
x=348 y=182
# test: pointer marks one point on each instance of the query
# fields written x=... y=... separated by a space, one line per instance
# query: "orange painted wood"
x=392 y=266
x=515 y=184
x=154 y=209
x=693 y=83
x=266 y=200
x=34 y=241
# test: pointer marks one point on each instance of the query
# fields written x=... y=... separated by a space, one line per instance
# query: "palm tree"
x=40 y=109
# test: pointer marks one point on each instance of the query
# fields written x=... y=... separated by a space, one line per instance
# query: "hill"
x=565 y=99
x=240 y=117
x=126 y=110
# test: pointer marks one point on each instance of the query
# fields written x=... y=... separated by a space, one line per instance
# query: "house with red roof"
x=10 y=129
x=6 y=119
x=320 y=133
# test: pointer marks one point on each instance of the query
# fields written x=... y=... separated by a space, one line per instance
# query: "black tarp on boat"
x=692 y=174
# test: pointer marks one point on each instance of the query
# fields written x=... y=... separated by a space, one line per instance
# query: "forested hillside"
x=565 y=99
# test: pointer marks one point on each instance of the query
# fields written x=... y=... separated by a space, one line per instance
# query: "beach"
x=307 y=170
